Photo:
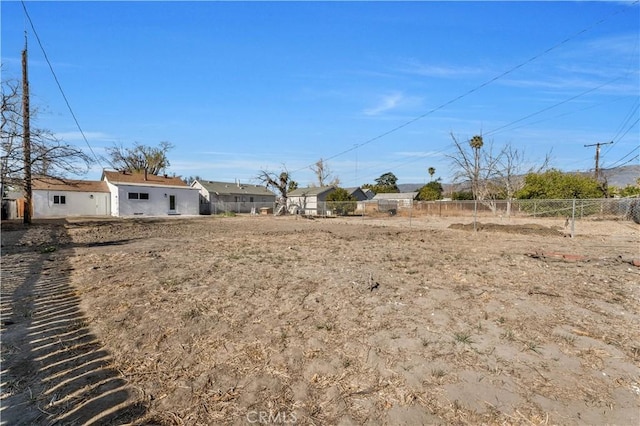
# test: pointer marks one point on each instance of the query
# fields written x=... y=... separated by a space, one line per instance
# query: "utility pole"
x=26 y=138
x=598 y=145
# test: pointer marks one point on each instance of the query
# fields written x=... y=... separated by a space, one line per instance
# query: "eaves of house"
x=226 y=188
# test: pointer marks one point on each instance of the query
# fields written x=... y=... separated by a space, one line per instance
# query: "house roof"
x=51 y=184
x=368 y=192
x=226 y=188
x=138 y=178
x=314 y=190
x=353 y=190
x=396 y=196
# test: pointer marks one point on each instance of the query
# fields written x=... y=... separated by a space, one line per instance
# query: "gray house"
x=358 y=193
x=310 y=201
x=219 y=197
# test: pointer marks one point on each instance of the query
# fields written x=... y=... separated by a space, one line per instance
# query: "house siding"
x=217 y=197
x=77 y=203
x=313 y=204
x=157 y=203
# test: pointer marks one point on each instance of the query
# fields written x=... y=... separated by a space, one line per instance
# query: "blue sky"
x=371 y=87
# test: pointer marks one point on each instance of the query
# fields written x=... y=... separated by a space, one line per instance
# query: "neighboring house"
x=403 y=199
x=358 y=193
x=12 y=203
x=310 y=201
x=134 y=193
x=66 y=197
x=368 y=193
x=216 y=197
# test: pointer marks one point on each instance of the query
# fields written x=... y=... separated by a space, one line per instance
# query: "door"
x=172 y=203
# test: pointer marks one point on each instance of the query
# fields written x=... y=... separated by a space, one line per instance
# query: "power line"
x=598 y=145
x=632 y=112
x=55 y=77
x=634 y=149
x=626 y=162
x=475 y=89
x=625 y=156
x=551 y=106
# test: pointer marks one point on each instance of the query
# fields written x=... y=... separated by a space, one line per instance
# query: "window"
x=59 y=199
x=251 y=199
x=138 y=195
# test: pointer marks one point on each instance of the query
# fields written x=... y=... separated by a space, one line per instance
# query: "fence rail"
x=604 y=208
x=573 y=209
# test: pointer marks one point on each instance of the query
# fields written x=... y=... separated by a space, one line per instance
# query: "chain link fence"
x=566 y=212
x=597 y=209
x=570 y=211
x=232 y=207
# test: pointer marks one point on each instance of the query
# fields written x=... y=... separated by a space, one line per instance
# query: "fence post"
x=475 y=214
x=573 y=218
x=410 y=213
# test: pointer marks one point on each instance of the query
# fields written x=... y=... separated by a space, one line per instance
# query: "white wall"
x=76 y=204
x=187 y=200
x=308 y=205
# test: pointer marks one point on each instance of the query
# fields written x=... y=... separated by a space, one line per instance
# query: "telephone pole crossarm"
x=598 y=145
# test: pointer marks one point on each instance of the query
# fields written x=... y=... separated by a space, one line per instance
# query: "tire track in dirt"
x=54 y=370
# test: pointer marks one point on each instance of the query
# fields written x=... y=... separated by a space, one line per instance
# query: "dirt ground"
x=287 y=320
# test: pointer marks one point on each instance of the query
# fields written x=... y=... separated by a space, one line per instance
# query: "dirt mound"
x=525 y=229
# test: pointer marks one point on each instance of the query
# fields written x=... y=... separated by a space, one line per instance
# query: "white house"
x=66 y=197
x=134 y=193
x=310 y=201
x=238 y=197
x=403 y=199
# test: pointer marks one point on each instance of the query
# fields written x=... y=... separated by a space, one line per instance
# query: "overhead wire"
x=481 y=86
x=615 y=164
x=586 y=92
x=632 y=68
x=55 y=77
x=632 y=112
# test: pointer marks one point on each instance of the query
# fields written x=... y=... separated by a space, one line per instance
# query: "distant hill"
x=622 y=176
x=618 y=176
x=410 y=187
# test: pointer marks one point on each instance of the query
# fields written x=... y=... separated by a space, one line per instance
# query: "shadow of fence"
x=54 y=370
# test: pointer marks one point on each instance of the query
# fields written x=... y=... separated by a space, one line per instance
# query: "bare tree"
x=492 y=175
x=323 y=173
x=511 y=170
x=50 y=156
x=140 y=158
x=189 y=180
x=280 y=183
x=476 y=167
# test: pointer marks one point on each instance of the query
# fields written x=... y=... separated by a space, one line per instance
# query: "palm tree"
x=476 y=143
x=432 y=171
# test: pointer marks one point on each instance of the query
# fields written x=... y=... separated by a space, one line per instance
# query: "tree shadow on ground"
x=54 y=370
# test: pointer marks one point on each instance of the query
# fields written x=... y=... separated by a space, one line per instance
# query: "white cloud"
x=418 y=154
x=393 y=101
x=413 y=66
x=387 y=103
